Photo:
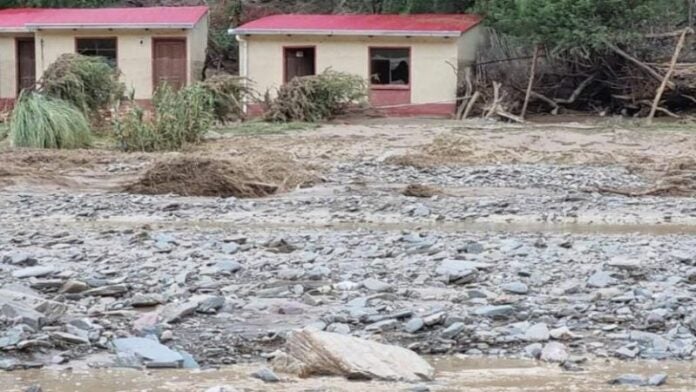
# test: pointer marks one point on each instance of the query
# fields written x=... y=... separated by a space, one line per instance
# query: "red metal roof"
x=419 y=24
x=27 y=18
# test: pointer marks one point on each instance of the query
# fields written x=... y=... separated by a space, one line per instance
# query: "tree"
x=579 y=24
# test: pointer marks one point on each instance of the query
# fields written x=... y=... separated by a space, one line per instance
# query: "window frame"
x=114 y=38
x=374 y=86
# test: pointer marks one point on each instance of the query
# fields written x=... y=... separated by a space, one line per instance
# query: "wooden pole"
x=532 y=72
x=672 y=65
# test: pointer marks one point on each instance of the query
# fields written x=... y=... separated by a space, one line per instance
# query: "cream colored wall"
x=468 y=44
x=8 y=67
x=196 y=50
x=134 y=51
x=433 y=77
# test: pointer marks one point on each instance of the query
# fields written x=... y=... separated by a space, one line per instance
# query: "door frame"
x=18 y=79
x=295 y=47
x=155 y=40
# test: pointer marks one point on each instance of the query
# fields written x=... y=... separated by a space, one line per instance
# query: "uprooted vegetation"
x=177 y=118
x=89 y=83
x=677 y=177
x=38 y=121
x=256 y=176
x=228 y=94
x=315 y=98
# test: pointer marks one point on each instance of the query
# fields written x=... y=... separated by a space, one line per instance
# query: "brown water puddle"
x=520 y=226
x=453 y=374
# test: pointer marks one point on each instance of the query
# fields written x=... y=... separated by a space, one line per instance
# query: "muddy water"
x=521 y=226
x=453 y=374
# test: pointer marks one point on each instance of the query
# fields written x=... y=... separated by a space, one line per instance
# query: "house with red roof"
x=149 y=46
x=412 y=63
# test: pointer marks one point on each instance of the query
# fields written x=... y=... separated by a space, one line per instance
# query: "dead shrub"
x=421 y=190
x=228 y=93
x=315 y=98
x=257 y=176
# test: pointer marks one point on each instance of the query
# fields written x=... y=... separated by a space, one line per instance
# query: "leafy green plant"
x=316 y=98
x=89 y=83
x=178 y=118
x=42 y=122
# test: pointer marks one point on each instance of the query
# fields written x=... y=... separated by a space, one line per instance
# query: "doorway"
x=299 y=61
x=26 y=64
x=169 y=62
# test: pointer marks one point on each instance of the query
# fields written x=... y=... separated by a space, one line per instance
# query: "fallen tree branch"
x=470 y=104
x=661 y=89
x=638 y=63
x=576 y=93
x=532 y=72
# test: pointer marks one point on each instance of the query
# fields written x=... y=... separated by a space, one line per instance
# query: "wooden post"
x=532 y=72
x=672 y=65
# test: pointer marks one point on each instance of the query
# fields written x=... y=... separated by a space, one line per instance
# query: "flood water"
x=453 y=374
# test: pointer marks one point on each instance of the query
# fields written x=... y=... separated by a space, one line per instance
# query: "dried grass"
x=248 y=177
x=677 y=178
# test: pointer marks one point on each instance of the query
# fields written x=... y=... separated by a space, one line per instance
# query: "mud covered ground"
x=520 y=252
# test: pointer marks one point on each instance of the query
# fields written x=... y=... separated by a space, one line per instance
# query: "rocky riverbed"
x=509 y=260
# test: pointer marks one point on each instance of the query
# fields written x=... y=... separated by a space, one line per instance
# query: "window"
x=299 y=62
x=102 y=47
x=390 y=66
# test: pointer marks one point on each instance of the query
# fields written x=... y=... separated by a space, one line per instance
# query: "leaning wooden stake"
x=672 y=65
x=532 y=72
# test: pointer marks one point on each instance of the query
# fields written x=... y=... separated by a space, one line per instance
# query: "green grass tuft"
x=41 y=122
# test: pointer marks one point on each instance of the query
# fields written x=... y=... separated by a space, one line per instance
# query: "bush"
x=178 y=118
x=228 y=94
x=316 y=98
x=89 y=83
x=41 y=122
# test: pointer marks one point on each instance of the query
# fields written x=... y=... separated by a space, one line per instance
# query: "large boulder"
x=325 y=353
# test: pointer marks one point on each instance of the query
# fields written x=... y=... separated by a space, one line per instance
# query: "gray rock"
x=341 y=328
x=114 y=290
x=554 y=352
x=629 y=379
x=266 y=375
x=601 y=279
x=19 y=258
x=150 y=351
x=624 y=263
x=384 y=325
x=146 y=300
x=453 y=330
x=495 y=311
x=537 y=333
x=628 y=352
x=228 y=266
x=34 y=272
x=34 y=388
x=376 y=285
x=208 y=303
x=657 y=380
x=414 y=325
x=533 y=350
x=221 y=388
x=73 y=287
x=177 y=311
x=11 y=336
x=515 y=288
x=63 y=337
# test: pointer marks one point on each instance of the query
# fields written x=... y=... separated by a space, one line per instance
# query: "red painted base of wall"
x=415 y=110
x=6 y=104
x=423 y=110
x=255 y=110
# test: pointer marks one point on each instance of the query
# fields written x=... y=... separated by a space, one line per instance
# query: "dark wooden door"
x=299 y=62
x=169 y=62
x=26 y=64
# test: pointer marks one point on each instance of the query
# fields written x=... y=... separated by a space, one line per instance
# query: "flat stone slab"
x=148 y=349
x=325 y=353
